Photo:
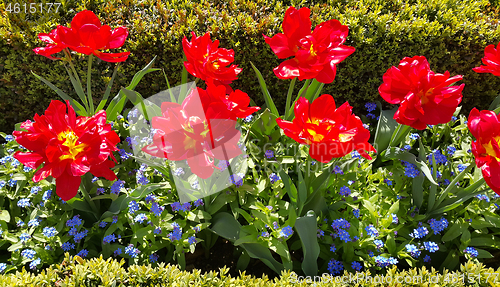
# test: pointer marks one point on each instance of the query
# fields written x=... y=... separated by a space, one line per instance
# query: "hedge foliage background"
x=451 y=34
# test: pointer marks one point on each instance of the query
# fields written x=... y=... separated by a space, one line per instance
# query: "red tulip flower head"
x=87 y=36
x=187 y=132
x=68 y=147
x=206 y=60
x=491 y=61
x=54 y=45
x=330 y=131
x=485 y=127
x=236 y=102
x=425 y=97
x=314 y=54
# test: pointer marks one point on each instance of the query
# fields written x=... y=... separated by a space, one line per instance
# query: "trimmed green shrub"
x=451 y=34
x=74 y=271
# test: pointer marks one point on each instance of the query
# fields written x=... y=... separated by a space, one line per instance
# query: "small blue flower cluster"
x=461 y=167
x=340 y=227
x=414 y=136
x=274 y=177
x=133 y=207
x=355 y=212
x=132 y=251
x=438 y=225
x=337 y=170
x=384 y=262
x=109 y=238
x=198 y=202
x=156 y=209
x=483 y=197
x=371 y=231
x=356 y=266
x=192 y=240
x=431 y=246
x=345 y=191
x=335 y=267
x=35 y=189
x=269 y=154
x=46 y=195
x=153 y=257
x=28 y=253
x=413 y=250
x=236 y=179
x=440 y=158
x=176 y=233
x=141 y=179
x=378 y=243
x=35 y=263
x=420 y=232
x=83 y=253
x=117 y=186
x=67 y=246
x=410 y=169
x=25 y=202
x=395 y=219
x=141 y=218
x=451 y=150
x=74 y=222
x=471 y=251
x=370 y=107
x=49 y=231
x=286 y=232
x=177 y=206
x=248 y=118
x=178 y=171
x=124 y=155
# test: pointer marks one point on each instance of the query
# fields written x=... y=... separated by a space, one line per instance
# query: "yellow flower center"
x=312 y=51
x=345 y=137
x=70 y=139
x=424 y=96
x=189 y=142
x=489 y=147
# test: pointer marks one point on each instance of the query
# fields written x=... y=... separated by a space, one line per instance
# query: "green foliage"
x=451 y=34
x=74 y=271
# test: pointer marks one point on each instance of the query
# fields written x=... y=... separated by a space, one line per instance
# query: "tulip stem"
x=89 y=200
x=89 y=86
x=398 y=135
x=289 y=97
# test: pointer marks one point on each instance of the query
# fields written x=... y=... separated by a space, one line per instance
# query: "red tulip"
x=68 y=147
x=425 y=97
x=206 y=60
x=185 y=132
x=88 y=36
x=485 y=127
x=330 y=131
x=315 y=54
x=236 y=102
x=54 y=45
x=491 y=60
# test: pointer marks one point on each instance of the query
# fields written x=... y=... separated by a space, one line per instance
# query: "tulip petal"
x=67 y=186
x=117 y=38
x=84 y=17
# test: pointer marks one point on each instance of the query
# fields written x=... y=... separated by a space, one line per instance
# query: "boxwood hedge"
x=451 y=34
x=75 y=271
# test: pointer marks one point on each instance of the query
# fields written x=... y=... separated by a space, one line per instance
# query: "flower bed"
x=314 y=189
